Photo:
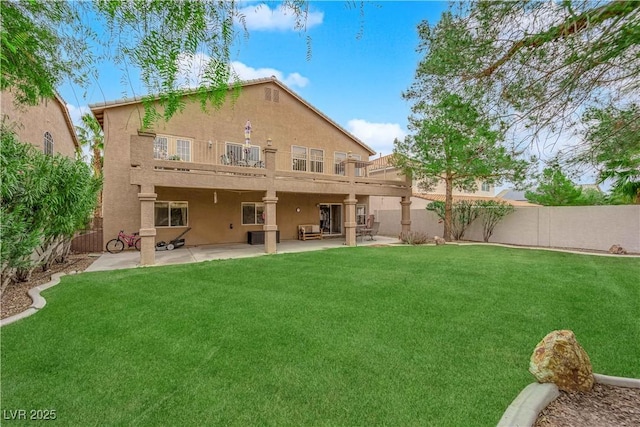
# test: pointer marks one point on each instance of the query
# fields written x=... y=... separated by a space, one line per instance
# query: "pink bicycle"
x=117 y=245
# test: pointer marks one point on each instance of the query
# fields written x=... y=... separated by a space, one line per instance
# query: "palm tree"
x=90 y=135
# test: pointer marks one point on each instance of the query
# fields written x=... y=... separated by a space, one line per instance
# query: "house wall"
x=580 y=227
x=33 y=121
x=287 y=122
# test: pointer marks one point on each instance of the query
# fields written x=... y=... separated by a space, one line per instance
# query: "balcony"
x=204 y=164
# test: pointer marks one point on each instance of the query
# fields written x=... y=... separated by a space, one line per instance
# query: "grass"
x=353 y=336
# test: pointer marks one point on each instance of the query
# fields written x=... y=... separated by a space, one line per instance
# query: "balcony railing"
x=252 y=156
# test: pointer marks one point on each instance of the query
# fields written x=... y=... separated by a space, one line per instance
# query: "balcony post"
x=147 y=197
x=350 y=219
x=270 y=226
x=406 y=214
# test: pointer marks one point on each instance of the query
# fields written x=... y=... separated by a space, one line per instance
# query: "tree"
x=45 y=42
x=453 y=142
x=548 y=61
x=91 y=136
x=555 y=189
x=613 y=147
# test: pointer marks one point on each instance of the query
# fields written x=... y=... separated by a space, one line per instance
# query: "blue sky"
x=358 y=69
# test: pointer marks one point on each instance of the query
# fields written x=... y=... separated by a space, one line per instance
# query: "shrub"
x=414 y=238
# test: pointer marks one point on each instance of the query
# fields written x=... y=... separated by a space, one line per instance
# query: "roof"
x=68 y=121
x=435 y=197
x=98 y=108
x=512 y=194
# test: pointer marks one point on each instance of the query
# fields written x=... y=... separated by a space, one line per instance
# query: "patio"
x=131 y=258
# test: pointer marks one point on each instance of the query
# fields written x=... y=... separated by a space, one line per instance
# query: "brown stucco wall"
x=287 y=122
x=33 y=121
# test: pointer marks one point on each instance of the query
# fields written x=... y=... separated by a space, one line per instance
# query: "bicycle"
x=117 y=245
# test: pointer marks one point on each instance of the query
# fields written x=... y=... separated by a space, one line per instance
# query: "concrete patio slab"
x=131 y=258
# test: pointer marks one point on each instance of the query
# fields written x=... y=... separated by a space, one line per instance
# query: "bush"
x=414 y=238
x=45 y=200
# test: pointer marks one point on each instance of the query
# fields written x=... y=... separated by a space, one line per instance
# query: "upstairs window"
x=48 y=144
x=316 y=159
x=242 y=154
x=359 y=171
x=338 y=161
x=172 y=148
x=299 y=158
x=486 y=186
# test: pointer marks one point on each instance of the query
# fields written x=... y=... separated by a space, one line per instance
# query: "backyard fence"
x=89 y=239
x=577 y=227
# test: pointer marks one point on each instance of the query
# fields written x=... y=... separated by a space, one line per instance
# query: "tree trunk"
x=448 y=208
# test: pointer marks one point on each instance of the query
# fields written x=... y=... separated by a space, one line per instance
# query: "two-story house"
x=47 y=126
x=266 y=160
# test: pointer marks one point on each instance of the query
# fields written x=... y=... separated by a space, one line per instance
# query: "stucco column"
x=270 y=226
x=270 y=160
x=147 y=199
x=350 y=220
x=406 y=214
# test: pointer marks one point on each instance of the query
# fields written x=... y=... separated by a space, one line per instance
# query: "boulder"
x=561 y=360
x=617 y=249
x=439 y=241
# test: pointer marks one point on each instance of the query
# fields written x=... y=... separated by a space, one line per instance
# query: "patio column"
x=350 y=219
x=270 y=226
x=406 y=214
x=147 y=198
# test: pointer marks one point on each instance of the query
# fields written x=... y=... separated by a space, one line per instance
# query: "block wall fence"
x=579 y=227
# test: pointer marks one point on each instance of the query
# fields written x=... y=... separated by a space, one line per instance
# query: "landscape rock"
x=617 y=249
x=561 y=360
x=439 y=241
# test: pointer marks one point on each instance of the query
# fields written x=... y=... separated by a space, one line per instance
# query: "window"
x=359 y=171
x=252 y=213
x=316 y=158
x=338 y=159
x=171 y=214
x=48 y=144
x=183 y=149
x=171 y=148
x=299 y=158
x=486 y=186
x=361 y=214
x=161 y=148
x=242 y=153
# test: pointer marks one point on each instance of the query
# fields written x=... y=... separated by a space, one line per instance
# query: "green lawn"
x=351 y=336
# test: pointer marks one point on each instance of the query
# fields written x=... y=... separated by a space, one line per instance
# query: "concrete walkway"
x=131 y=258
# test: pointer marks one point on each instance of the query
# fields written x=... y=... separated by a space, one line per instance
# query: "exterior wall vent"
x=267 y=94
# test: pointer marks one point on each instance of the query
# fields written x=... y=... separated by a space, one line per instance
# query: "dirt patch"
x=15 y=298
x=604 y=406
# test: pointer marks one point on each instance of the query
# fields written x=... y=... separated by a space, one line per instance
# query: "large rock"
x=561 y=360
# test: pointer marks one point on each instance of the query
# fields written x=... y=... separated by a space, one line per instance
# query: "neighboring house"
x=381 y=167
x=267 y=162
x=47 y=125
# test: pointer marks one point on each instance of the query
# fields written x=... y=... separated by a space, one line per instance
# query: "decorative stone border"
x=524 y=410
x=38 y=300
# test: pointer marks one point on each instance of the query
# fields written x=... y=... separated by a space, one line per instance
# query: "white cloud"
x=245 y=72
x=262 y=18
x=191 y=67
x=378 y=136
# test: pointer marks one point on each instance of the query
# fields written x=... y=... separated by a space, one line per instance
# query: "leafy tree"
x=555 y=189
x=453 y=142
x=491 y=213
x=91 y=136
x=45 y=42
x=613 y=137
x=547 y=61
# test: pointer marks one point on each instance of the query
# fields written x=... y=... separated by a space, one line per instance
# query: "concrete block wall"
x=579 y=227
